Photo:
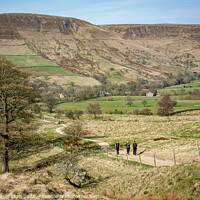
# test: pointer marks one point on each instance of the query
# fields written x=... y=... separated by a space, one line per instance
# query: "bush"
x=146 y=111
x=94 y=109
x=165 y=106
x=136 y=112
x=59 y=113
x=78 y=113
x=69 y=114
x=74 y=132
x=109 y=99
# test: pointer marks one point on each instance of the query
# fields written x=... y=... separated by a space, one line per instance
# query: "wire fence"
x=139 y=159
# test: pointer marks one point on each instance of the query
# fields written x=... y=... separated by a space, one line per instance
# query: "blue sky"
x=111 y=11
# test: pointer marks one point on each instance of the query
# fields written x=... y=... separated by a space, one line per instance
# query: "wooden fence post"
x=154 y=160
x=140 y=160
x=174 y=157
x=198 y=149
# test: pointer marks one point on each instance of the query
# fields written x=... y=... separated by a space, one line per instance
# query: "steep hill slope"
x=115 y=53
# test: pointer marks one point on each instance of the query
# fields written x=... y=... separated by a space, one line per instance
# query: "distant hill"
x=115 y=53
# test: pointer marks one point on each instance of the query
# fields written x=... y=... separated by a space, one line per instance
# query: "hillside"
x=115 y=53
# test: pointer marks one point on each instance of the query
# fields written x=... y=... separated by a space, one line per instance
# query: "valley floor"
x=41 y=173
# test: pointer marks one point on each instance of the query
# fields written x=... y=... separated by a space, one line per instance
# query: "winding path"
x=148 y=160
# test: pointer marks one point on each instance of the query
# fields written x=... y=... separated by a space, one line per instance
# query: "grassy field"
x=15 y=47
x=113 y=179
x=119 y=103
x=53 y=70
x=189 y=86
x=30 y=60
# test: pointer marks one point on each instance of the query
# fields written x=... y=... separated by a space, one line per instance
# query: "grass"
x=168 y=68
x=30 y=60
x=115 y=179
x=15 y=47
x=65 y=80
x=119 y=103
x=189 y=86
x=53 y=70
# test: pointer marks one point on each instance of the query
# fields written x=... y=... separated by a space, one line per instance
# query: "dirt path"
x=58 y=130
x=145 y=159
x=148 y=160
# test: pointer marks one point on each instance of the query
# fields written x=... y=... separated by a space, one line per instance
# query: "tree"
x=78 y=113
x=165 y=106
x=15 y=99
x=74 y=132
x=93 y=109
x=69 y=114
x=144 y=102
x=50 y=102
x=129 y=101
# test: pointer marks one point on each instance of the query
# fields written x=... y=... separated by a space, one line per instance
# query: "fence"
x=140 y=158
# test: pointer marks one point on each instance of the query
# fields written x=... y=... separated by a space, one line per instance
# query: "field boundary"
x=187 y=110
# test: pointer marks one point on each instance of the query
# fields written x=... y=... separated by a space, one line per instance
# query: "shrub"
x=145 y=111
x=165 y=106
x=74 y=132
x=109 y=99
x=59 y=113
x=69 y=114
x=136 y=112
x=78 y=113
x=93 y=109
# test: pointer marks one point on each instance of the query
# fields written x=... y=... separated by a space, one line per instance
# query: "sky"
x=102 y=12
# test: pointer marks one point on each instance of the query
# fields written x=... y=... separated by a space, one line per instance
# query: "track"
x=145 y=159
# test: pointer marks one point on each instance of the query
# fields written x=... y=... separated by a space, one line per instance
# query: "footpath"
x=144 y=159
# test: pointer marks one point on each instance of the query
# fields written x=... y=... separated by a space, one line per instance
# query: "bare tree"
x=144 y=102
x=94 y=109
x=129 y=101
x=50 y=101
x=74 y=132
x=165 y=106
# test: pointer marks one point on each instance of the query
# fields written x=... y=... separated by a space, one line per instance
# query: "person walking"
x=134 y=148
x=128 y=147
x=117 y=147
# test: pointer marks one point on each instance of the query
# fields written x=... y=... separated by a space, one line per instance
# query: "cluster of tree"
x=74 y=114
x=91 y=109
x=189 y=94
x=133 y=88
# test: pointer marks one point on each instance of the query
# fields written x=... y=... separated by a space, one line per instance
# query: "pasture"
x=189 y=86
x=119 y=104
x=30 y=60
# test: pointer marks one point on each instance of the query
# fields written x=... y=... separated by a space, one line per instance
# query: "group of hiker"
x=128 y=147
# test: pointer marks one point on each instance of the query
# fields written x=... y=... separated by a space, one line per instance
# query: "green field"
x=53 y=70
x=30 y=60
x=39 y=64
x=168 y=68
x=189 y=86
x=119 y=103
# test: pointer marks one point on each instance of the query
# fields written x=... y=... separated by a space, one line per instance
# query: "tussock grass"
x=119 y=181
x=180 y=133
